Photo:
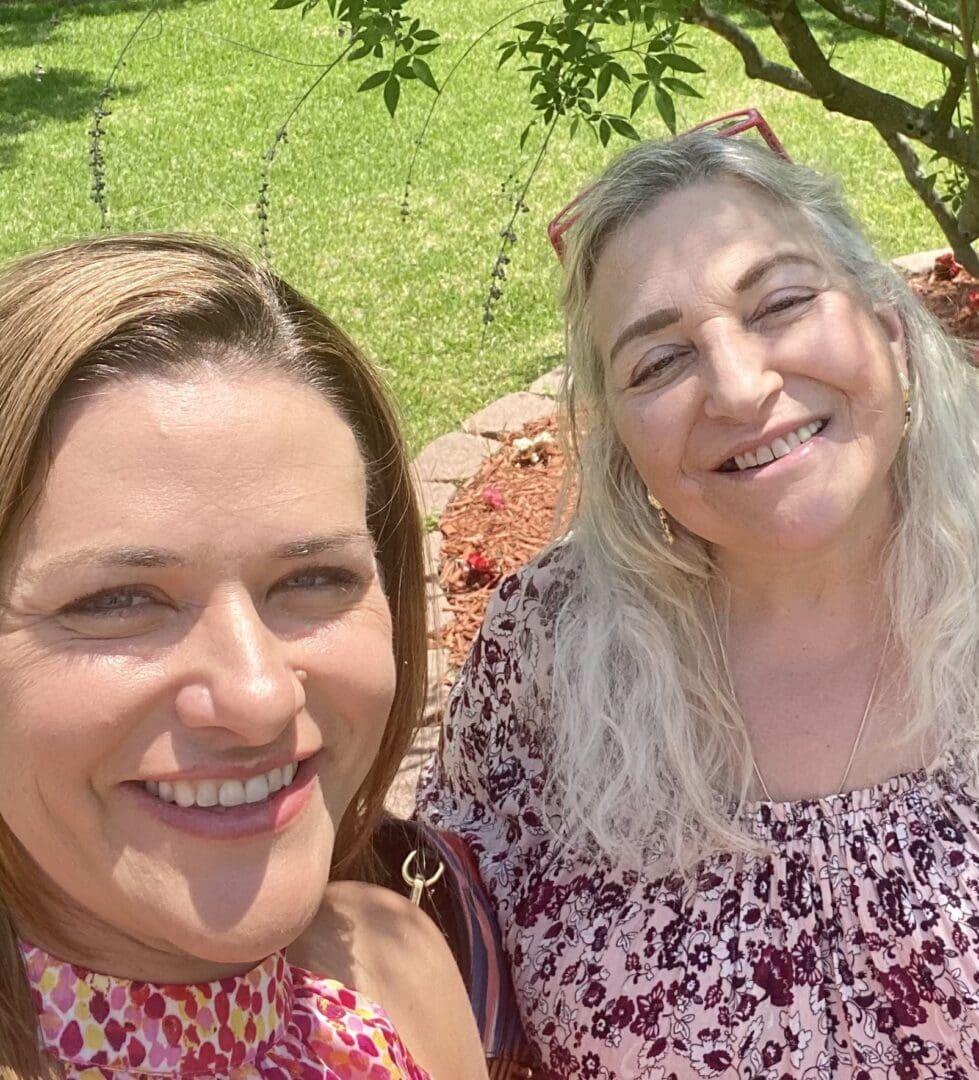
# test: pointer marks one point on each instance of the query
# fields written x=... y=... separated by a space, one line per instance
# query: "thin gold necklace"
x=734 y=697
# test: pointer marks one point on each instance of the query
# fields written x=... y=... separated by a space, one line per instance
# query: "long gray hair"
x=650 y=753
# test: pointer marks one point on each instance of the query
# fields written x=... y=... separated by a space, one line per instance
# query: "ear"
x=893 y=327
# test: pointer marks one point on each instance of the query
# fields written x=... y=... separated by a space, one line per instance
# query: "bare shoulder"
x=376 y=942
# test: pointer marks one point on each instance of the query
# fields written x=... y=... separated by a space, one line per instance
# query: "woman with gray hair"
x=716 y=750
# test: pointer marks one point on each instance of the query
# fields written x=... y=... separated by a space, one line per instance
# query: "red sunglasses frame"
x=728 y=125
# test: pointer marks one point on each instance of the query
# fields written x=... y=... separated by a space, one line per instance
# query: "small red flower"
x=493 y=498
x=972 y=299
x=946 y=267
x=482 y=569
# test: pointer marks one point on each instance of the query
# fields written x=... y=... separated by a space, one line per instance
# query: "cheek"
x=352 y=687
x=653 y=432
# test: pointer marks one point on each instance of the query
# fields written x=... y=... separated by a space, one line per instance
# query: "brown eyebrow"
x=319 y=545
x=657 y=320
x=159 y=558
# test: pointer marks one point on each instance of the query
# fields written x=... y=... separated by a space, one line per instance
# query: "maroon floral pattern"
x=849 y=949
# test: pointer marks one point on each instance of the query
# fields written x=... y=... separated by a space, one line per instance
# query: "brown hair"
x=166 y=305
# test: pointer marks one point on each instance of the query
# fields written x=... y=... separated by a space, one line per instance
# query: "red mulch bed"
x=496 y=522
x=505 y=514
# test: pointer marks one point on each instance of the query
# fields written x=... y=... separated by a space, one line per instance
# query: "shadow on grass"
x=33 y=97
x=27 y=103
x=24 y=23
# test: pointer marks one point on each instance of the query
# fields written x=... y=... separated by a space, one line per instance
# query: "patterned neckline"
x=87 y=1020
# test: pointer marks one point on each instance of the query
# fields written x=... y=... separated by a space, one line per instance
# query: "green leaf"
x=403 y=69
x=530 y=27
x=280 y=5
x=604 y=82
x=374 y=80
x=392 y=94
x=574 y=127
x=678 y=86
x=639 y=97
x=506 y=51
x=426 y=35
x=525 y=133
x=681 y=63
x=620 y=73
x=624 y=128
x=604 y=131
x=664 y=103
x=424 y=73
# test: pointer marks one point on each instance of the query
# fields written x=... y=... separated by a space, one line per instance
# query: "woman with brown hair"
x=211 y=664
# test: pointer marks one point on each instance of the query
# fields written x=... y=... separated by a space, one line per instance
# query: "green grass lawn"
x=195 y=113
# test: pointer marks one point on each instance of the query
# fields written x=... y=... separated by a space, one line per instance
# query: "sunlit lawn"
x=195 y=113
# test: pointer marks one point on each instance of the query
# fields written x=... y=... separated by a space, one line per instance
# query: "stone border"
x=440 y=468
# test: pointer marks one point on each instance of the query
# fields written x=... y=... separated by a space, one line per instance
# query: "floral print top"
x=277 y=1022
x=850 y=948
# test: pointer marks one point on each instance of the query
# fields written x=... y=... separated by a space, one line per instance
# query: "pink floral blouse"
x=850 y=950
x=277 y=1022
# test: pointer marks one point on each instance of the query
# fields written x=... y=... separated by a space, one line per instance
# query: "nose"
x=239 y=677
x=740 y=380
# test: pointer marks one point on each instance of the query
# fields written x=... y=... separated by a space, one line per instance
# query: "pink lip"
x=768 y=438
x=237 y=822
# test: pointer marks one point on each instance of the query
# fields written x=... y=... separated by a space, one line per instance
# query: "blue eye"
x=324 y=577
x=111 y=602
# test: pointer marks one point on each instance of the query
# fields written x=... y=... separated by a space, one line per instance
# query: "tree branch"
x=840 y=93
x=950 y=98
x=911 y=166
x=893 y=30
x=920 y=17
x=755 y=64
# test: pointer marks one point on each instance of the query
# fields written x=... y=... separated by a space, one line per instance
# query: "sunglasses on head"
x=727 y=126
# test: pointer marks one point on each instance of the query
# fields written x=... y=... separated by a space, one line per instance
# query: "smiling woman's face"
x=196 y=668
x=757 y=396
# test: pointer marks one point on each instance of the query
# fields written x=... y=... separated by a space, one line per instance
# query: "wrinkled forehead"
x=698 y=225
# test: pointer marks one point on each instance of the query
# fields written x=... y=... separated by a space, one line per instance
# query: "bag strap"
x=460 y=907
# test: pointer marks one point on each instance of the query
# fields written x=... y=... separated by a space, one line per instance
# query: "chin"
x=240 y=914
x=245 y=941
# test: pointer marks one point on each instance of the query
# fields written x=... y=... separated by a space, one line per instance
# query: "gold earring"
x=664 y=521
x=906 y=389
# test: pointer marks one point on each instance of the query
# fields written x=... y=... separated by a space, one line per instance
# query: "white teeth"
x=256 y=789
x=184 y=793
x=223 y=793
x=779 y=448
x=231 y=793
x=207 y=793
